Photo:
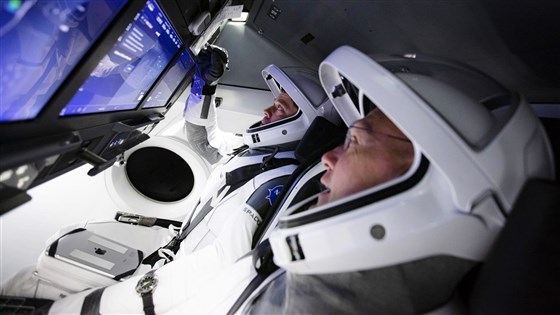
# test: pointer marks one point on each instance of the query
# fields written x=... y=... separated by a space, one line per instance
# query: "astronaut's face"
x=282 y=107
x=374 y=152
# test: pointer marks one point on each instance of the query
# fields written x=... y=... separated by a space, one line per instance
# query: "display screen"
x=122 y=78
x=159 y=96
x=41 y=42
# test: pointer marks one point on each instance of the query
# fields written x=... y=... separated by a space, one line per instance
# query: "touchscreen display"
x=168 y=84
x=122 y=78
x=41 y=42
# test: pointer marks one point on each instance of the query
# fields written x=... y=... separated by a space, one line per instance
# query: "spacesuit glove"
x=211 y=65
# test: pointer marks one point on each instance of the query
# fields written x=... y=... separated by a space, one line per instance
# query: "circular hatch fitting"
x=159 y=174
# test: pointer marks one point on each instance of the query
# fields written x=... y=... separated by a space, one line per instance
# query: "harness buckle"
x=135 y=219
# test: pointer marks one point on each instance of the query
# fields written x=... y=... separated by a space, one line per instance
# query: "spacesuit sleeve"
x=181 y=280
x=203 y=132
x=178 y=282
x=181 y=289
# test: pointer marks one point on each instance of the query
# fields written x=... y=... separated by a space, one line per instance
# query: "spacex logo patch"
x=273 y=193
x=253 y=214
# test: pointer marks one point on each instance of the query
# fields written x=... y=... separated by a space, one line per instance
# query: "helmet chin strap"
x=268 y=159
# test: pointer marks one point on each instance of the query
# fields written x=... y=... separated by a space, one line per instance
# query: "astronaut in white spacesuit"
x=237 y=193
x=405 y=245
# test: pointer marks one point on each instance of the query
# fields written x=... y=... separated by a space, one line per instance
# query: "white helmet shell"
x=472 y=158
x=305 y=89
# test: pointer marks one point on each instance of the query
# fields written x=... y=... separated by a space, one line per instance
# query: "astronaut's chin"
x=323 y=197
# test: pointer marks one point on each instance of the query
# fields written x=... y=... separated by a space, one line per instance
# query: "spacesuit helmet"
x=475 y=145
x=304 y=88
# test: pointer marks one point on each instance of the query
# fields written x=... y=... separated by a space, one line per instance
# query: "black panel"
x=22 y=305
x=521 y=274
x=552 y=127
x=160 y=174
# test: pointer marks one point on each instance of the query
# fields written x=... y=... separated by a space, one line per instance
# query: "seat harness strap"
x=234 y=180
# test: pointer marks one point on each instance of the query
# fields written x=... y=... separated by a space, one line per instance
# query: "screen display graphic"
x=168 y=84
x=41 y=42
x=122 y=78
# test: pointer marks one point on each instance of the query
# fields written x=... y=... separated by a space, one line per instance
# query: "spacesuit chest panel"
x=217 y=179
x=227 y=202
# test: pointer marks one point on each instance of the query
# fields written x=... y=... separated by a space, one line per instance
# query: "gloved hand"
x=211 y=65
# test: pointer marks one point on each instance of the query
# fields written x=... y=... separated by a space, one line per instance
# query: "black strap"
x=252 y=286
x=192 y=224
x=206 y=105
x=244 y=173
x=207 y=91
x=263 y=259
x=148 y=302
x=92 y=302
x=174 y=244
x=264 y=265
x=154 y=257
x=237 y=178
x=236 y=151
x=234 y=180
x=296 y=175
x=166 y=223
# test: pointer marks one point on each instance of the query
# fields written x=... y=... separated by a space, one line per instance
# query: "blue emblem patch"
x=273 y=193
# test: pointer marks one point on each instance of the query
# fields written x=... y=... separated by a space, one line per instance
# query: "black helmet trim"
x=256 y=127
x=360 y=202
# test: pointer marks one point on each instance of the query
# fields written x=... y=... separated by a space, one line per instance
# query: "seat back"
x=522 y=272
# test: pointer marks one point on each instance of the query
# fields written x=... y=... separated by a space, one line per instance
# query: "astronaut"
x=404 y=245
x=238 y=192
x=213 y=144
x=256 y=173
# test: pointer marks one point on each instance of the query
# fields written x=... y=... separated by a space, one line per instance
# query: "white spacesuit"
x=403 y=246
x=237 y=195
